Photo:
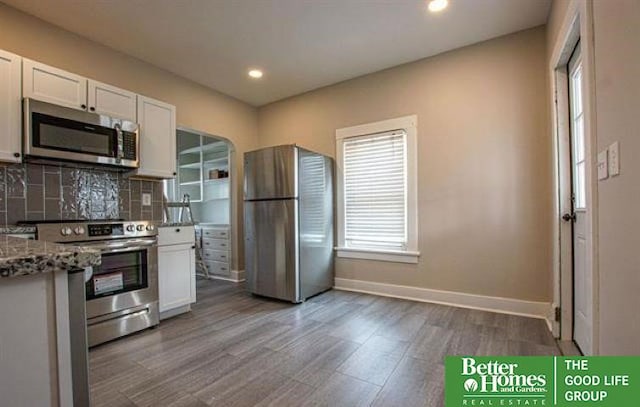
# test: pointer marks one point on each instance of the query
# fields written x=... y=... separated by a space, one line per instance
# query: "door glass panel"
x=580 y=198
x=578 y=155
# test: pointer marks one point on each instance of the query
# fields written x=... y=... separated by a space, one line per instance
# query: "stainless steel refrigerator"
x=288 y=222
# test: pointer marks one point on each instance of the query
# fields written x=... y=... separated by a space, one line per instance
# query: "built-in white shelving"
x=198 y=155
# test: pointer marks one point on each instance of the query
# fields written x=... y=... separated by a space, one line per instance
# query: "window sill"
x=380 y=255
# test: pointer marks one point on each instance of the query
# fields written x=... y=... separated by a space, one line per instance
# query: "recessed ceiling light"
x=438 y=5
x=255 y=73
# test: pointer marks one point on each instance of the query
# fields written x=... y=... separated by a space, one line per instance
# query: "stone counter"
x=20 y=257
x=17 y=230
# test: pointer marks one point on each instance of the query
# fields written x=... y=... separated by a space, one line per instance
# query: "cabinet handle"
x=93 y=109
x=175 y=173
x=177 y=230
x=193 y=247
x=83 y=106
x=16 y=155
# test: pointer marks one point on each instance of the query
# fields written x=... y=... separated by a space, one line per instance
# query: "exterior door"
x=582 y=279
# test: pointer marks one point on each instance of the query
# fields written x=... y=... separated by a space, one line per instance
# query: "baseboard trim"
x=237 y=276
x=502 y=305
x=174 y=312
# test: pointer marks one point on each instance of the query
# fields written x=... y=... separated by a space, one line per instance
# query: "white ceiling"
x=300 y=44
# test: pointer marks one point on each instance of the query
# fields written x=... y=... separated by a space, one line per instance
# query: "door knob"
x=567 y=217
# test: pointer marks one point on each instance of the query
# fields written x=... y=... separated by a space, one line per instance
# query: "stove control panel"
x=66 y=232
x=105 y=229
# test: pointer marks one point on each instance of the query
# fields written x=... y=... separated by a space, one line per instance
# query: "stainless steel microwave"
x=61 y=133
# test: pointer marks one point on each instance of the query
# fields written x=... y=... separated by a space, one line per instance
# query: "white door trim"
x=577 y=24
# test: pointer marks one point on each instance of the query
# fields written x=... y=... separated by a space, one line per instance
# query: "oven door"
x=126 y=279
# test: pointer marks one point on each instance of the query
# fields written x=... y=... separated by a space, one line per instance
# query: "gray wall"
x=617 y=60
x=485 y=155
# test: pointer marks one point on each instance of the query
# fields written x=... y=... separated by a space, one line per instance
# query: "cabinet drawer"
x=219 y=268
x=215 y=244
x=216 y=255
x=215 y=233
x=176 y=235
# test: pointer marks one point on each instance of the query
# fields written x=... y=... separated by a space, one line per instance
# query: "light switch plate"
x=614 y=159
x=146 y=199
x=603 y=167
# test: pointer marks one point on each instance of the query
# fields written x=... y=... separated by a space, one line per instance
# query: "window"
x=377 y=191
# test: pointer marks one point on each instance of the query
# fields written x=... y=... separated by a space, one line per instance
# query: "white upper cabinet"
x=53 y=85
x=10 y=107
x=157 y=138
x=111 y=101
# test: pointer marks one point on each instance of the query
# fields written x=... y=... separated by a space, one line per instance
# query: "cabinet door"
x=53 y=85
x=157 y=138
x=10 y=107
x=111 y=101
x=176 y=276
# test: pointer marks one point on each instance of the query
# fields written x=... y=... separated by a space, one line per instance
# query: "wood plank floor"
x=337 y=349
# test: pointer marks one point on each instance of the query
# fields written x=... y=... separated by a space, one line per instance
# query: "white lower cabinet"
x=176 y=270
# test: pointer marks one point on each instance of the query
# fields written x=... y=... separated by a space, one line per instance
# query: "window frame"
x=409 y=125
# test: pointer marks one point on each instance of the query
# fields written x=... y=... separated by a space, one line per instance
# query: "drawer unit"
x=218 y=268
x=168 y=235
x=216 y=255
x=215 y=244
x=216 y=249
x=215 y=233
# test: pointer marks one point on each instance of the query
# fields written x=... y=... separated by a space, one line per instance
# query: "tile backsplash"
x=52 y=192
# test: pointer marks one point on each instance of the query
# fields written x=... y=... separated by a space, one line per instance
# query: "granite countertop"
x=21 y=257
x=17 y=230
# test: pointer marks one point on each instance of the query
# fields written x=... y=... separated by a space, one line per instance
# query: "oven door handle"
x=130 y=246
x=125 y=249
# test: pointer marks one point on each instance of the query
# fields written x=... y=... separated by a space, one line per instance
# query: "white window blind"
x=375 y=191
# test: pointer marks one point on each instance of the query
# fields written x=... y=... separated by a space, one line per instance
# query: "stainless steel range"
x=122 y=294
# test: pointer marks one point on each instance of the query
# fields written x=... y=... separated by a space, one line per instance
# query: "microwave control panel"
x=129 y=141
